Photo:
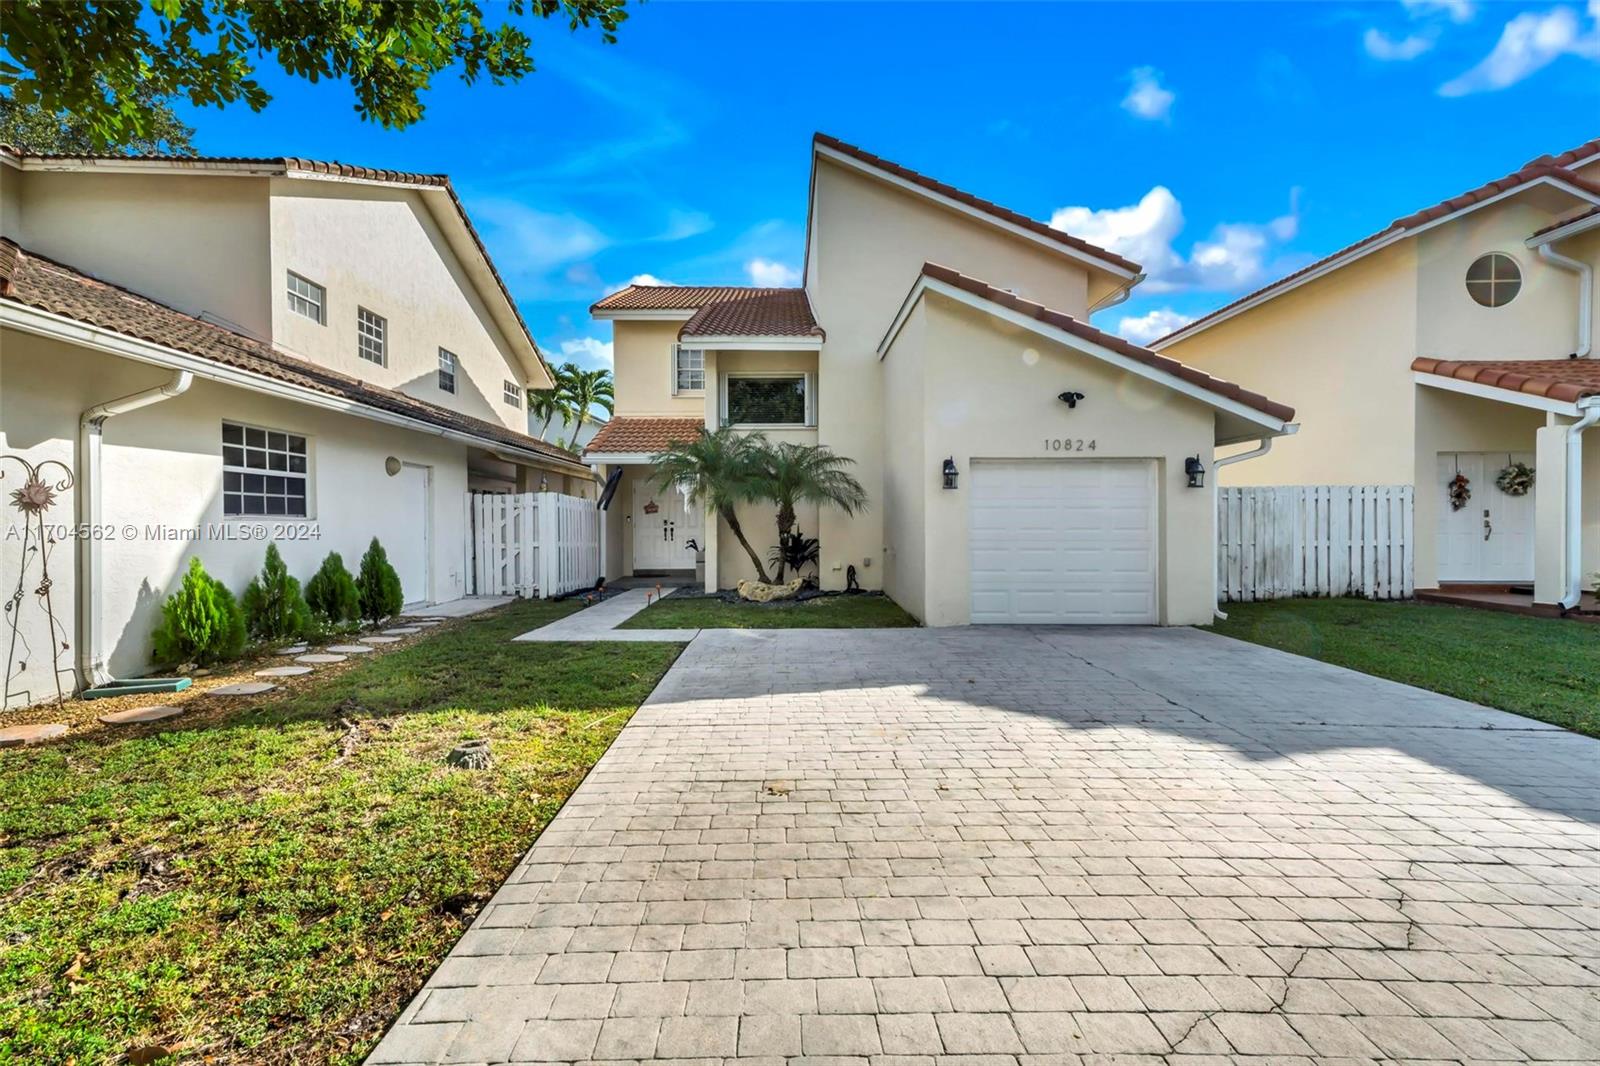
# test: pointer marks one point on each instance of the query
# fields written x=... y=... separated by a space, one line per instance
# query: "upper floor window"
x=688 y=369
x=513 y=394
x=1494 y=280
x=308 y=298
x=372 y=337
x=767 y=400
x=447 y=371
x=264 y=472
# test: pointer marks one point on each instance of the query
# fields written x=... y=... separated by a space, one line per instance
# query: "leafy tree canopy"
x=104 y=62
x=33 y=129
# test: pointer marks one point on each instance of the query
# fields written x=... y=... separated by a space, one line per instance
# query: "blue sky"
x=1219 y=144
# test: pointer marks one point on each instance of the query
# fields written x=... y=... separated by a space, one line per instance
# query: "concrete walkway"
x=600 y=621
x=1015 y=847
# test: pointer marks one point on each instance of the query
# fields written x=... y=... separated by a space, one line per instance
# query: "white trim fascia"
x=850 y=162
x=56 y=327
x=1571 y=229
x=1491 y=392
x=621 y=458
x=1214 y=400
x=754 y=344
x=1276 y=289
x=625 y=314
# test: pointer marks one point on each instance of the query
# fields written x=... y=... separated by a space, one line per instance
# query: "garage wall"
x=990 y=393
x=909 y=473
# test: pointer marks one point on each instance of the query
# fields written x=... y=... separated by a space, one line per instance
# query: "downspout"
x=1585 y=274
x=1574 y=546
x=91 y=660
x=1216 y=466
x=1119 y=296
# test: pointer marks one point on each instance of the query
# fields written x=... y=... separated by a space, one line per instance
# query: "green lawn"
x=826 y=612
x=231 y=888
x=1544 y=668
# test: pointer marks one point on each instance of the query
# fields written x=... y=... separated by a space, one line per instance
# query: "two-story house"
x=1458 y=341
x=193 y=350
x=1021 y=465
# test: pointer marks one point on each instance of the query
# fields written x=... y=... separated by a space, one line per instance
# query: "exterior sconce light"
x=950 y=472
x=391 y=466
x=1196 y=471
x=1070 y=398
x=544 y=483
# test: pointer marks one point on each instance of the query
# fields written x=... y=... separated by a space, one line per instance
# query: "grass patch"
x=1544 y=668
x=824 y=612
x=271 y=882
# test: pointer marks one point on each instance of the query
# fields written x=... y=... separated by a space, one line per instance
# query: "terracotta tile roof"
x=1543 y=167
x=1569 y=220
x=1077 y=328
x=988 y=207
x=644 y=436
x=1566 y=380
x=1585 y=151
x=670 y=297
x=723 y=310
x=35 y=281
x=293 y=164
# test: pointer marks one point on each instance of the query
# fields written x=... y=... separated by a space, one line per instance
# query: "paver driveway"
x=1030 y=845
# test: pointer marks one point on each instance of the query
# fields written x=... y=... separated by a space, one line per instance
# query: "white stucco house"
x=1022 y=466
x=203 y=354
x=1458 y=340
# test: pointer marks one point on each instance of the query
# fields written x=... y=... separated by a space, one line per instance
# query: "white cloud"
x=531 y=242
x=1380 y=45
x=1455 y=10
x=768 y=273
x=1148 y=98
x=637 y=279
x=1153 y=325
x=588 y=352
x=1236 y=255
x=1529 y=43
x=682 y=224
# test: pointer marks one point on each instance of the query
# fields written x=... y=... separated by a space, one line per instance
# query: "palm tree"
x=587 y=389
x=547 y=403
x=720 y=471
x=811 y=473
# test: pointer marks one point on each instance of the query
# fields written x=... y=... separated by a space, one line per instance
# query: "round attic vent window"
x=1494 y=280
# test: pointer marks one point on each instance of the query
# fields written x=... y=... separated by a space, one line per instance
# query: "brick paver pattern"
x=1020 y=847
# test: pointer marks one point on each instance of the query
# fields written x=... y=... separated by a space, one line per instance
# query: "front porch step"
x=1508 y=599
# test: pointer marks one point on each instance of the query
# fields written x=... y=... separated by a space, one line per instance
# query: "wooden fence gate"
x=531 y=544
x=1315 y=540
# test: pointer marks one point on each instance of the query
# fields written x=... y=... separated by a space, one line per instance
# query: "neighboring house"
x=934 y=329
x=216 y=346
x=1460 y=338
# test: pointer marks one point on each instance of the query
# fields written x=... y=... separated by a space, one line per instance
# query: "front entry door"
x=1491 y=538
x=662 y=528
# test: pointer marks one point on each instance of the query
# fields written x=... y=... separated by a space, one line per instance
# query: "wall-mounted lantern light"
x=544 y=483
x=950 y=472
x=1070 y=398
x=1196 y=471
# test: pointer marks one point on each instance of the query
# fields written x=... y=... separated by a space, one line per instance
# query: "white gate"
x=1315 y=540
x=531 y=544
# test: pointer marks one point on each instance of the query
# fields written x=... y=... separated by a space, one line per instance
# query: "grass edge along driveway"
x=254 y=883
x=865 y=611
x=1543 y=668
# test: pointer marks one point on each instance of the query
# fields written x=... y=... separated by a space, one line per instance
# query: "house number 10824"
x=1069 y=444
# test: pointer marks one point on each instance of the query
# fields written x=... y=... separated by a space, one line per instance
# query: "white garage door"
x=1064 y=542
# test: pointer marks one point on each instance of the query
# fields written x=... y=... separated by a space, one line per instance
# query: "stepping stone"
x=380 y=640
x=351 y=649
x=22 y=736
x=140 y=714
x=401 y=631
x=320 y=658
x=293 y=649
x=283 y=671
x=243 y=688
x=426 y=622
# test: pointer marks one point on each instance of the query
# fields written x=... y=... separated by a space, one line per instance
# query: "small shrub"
x=200 y=623
x=332 y=595
x=273 y=606
x=379 y=585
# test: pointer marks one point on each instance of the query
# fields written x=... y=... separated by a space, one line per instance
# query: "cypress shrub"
x=379 y=584
x=273 y=606
x=332 y=595
x=200 y=623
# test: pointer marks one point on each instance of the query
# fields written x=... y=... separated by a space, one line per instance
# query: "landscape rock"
x=760 y=592
x=470 y=755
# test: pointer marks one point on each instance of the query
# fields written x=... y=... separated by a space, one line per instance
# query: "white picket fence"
x=531 y=544
x=1315 y=540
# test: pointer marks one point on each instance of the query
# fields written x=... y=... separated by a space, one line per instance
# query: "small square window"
x=513 y=394
x=372 y=337
x=308 y=298
x=447 y=371
x=248 y=493
x=689 y=370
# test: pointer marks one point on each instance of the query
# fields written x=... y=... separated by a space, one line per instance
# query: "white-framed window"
x=265 y=472
x=767 y=399
x=688 y=369
x=1494 y=280
x=372 y=337
x=513 y=394
x=308 y=298
x=447 y=371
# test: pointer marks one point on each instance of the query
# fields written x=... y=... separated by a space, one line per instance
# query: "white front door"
x=408 y=545
x=1491 y=538
x=663 y=525
x=1066 y=541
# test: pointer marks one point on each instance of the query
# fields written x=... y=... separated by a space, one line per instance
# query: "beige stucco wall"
x=868 y=244
x=642 y=371
x=198 y=243
x=990 y=393
x=162 y=467
x=910 y=470
x=381 y=249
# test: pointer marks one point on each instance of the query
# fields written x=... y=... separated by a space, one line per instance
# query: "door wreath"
x=1460 y=491
x=1516 y=479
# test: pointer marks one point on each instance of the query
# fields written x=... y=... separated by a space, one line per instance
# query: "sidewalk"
x=600 y=621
